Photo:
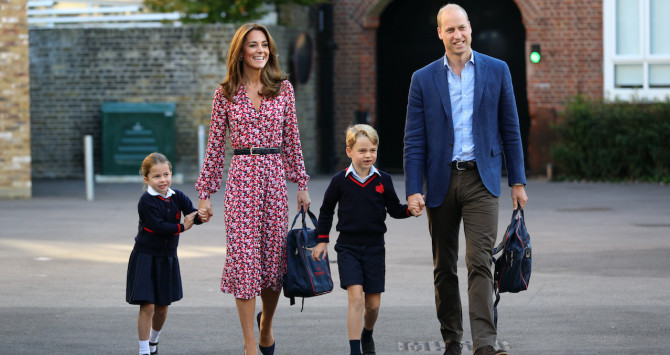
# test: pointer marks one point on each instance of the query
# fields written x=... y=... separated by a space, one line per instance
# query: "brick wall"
x=355 y=67
x=571 y=39
x=74 y=70
x=15 y=165
x=570 y=35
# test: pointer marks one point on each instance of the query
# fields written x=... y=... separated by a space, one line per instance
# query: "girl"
x=154 y=280
x=255 y=104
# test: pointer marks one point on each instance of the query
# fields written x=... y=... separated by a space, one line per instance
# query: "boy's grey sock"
x=355 y=347
x=366 y=336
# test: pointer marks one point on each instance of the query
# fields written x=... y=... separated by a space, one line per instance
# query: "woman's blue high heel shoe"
x=265 y=350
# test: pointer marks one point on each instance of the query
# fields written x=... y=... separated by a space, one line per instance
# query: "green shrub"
x=613 y=141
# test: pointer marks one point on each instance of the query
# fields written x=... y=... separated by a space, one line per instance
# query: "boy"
x=364 y=195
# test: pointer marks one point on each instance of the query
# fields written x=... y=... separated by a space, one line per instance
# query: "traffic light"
x=535 y=55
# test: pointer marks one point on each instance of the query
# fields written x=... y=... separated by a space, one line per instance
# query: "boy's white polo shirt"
x=351 y=170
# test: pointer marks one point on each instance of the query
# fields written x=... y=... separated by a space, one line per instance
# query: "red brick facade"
x=570 y=35
x=355 y=66
x=15 y=162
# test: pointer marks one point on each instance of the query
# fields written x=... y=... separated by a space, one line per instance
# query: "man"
x=461 y=119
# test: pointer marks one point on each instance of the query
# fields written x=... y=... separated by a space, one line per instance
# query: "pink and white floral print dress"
x=256 y=201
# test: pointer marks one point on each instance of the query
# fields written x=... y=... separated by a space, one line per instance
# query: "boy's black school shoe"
x=156 y=345
x=368 y=347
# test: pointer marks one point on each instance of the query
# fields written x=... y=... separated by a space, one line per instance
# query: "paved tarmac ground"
x=600 y=281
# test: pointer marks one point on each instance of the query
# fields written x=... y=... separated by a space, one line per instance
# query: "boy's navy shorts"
x=362 y=265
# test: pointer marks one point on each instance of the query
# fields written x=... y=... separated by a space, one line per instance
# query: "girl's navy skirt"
x=153 y=279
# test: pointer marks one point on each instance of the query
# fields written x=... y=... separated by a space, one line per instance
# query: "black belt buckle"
x=463 y=165
x=256 y=151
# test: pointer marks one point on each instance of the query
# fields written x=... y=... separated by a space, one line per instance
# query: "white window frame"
x=610 y=58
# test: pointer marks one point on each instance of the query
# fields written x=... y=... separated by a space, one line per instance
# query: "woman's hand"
x=303 y=200
x=205 y=210
x=320 y=251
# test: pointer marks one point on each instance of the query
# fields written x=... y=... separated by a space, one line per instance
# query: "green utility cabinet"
x=131 y=131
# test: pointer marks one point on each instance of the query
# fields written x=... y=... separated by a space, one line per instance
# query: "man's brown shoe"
x=453 y=348
x=489 y=350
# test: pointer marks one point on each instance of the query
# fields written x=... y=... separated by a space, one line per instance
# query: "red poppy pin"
x=380 y=188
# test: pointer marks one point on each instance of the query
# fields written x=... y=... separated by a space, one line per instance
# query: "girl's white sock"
x=144 y=347
x=153 y=337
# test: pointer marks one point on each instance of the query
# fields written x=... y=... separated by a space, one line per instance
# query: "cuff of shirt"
x=323 y=238
x=302 y=185
x=203 y=195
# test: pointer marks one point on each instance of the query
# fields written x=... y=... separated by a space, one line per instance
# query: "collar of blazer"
x=442 y=83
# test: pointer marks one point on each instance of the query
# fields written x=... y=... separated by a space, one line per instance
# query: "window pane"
x=628 y=76
x=627 y=27
x=660 y=27
x=659 y=75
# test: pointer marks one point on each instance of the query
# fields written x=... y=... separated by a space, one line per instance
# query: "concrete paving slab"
x=599 y=285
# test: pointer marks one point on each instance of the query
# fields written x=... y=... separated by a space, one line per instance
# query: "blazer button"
x=451 y=145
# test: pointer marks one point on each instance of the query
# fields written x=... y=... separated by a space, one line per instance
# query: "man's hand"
x=519 y=196
x=416 y=204
x=205 y=210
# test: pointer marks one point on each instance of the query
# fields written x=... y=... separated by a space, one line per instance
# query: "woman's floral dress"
x=256 y=201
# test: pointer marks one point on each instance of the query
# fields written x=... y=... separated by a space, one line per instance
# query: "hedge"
x=613 y=141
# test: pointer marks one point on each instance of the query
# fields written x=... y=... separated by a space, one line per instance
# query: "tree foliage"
x=219 y=11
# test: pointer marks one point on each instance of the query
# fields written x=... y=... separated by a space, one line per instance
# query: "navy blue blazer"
x=429 y=129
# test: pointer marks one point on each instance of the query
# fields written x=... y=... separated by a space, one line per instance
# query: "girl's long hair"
x=271 y=74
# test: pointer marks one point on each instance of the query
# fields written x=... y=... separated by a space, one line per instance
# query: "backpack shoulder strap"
x=495 y=306
x=500 y=247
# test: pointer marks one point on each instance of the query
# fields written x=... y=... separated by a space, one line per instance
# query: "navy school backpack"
x=304 y=276
x=512 y=268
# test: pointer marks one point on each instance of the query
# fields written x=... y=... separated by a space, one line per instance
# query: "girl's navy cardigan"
x=160 y=222
x=362 y=208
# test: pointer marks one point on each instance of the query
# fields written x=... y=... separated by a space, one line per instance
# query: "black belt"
x=464 y=165
x=256 y=151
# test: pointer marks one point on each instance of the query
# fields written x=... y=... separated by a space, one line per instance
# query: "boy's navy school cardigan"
x=160 y=222
x=362 y=208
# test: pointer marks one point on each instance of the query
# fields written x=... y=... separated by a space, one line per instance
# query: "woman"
x=256 y=104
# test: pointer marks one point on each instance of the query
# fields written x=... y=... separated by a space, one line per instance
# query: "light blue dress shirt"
x=461 y=92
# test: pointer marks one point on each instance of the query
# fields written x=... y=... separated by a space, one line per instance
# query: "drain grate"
x=653 y=225
x=430 y=346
